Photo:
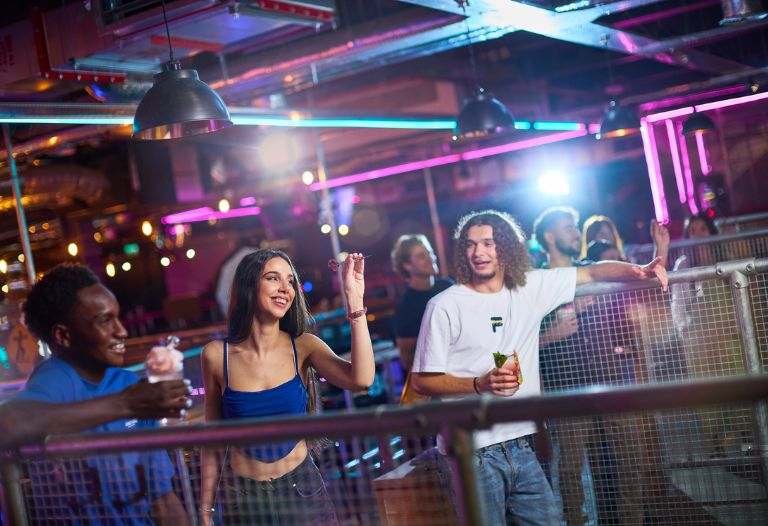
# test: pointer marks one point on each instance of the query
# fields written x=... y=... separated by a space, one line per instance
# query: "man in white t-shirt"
x=497 y=306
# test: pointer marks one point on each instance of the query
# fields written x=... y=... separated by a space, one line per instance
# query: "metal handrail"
x=473 y=413
x=718 y=271
x=746 y=218
x=709 y=240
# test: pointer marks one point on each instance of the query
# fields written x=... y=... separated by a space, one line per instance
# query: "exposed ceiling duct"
x=55 y=186
x=735 y=11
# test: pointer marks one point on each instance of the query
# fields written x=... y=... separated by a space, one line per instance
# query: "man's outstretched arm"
x=23 y=421
x=618 y=271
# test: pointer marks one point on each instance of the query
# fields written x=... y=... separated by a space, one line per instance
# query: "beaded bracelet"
x=356 y=314
x=207 y=509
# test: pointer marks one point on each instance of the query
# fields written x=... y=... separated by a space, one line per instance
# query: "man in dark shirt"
x=589 y=342
x=414 y=260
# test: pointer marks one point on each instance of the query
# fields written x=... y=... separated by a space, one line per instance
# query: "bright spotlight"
x=110 y=269
x=224 y=206
x=325 y=229
x=190 y=253
x=72 y=249
x=165 y=261
x=277 y=151
x=126 y=266
x=3 y=266
x=343 y=230
x=307 y=177
x=146 y=228
x=554 y=183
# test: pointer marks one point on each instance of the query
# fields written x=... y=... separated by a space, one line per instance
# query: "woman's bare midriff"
x=245 y=466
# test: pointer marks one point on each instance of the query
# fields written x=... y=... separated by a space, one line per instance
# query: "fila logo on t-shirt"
x=496 y=322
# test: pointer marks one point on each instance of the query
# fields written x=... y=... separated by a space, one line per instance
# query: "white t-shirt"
x=462 y=328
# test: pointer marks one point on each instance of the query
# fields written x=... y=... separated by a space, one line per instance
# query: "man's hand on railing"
x=654 y=269
x=146 y=400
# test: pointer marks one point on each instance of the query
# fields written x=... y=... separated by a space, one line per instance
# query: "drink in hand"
x=164 y=362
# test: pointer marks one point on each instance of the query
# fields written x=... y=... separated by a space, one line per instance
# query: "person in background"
x=705 y=304
x=78 y=317
x=497 y=306
x=415 y=261
x=700 y=226
x=264 y=368
x=602 y=250
x=599 y=227
x=597 y=350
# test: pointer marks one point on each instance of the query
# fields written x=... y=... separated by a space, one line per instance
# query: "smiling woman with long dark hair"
x=264 y=368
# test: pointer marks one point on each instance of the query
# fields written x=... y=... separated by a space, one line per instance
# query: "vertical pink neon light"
x=654 y=171
x=687 y=170
x=676 y=160
x=701 y=147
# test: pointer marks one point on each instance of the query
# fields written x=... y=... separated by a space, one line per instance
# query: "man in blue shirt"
x=78 y=318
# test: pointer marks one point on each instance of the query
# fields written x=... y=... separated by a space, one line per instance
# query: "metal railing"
x=708 y=251
x=630 y=397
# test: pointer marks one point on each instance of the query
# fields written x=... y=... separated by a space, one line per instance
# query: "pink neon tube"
x=687 y=170
x=676 y=161
x=449 y=159
x=654 y=172
x=702 y=149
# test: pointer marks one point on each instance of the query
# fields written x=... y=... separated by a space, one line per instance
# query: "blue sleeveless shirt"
x=289 y=398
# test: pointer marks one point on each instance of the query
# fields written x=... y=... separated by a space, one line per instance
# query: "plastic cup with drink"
x=165 y=362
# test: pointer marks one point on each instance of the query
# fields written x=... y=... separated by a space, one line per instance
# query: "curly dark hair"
x=54 y=297
x=510 y=246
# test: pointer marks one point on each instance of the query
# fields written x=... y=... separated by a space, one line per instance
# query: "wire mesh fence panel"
x=758 y=295
x=642 y=336
x=364 y=480
x=623 y=469
x=129 y=487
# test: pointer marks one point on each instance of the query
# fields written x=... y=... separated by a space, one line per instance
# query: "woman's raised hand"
x=352 y=275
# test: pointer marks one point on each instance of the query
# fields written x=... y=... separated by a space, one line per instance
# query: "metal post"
x=21 y=219
x=437 y=233
x=14 y=498
x=460 y=448
x=752 y=362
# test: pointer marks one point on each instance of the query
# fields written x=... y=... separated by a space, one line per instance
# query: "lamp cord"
x=472 y=63
x=167 y=30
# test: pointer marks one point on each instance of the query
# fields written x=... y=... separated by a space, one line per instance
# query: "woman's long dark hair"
x=242 y=307
x=242 y=297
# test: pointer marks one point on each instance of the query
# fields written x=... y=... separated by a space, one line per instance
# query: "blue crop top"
x=289 y=398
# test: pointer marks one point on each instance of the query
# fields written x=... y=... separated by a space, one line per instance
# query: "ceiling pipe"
x=736 y=11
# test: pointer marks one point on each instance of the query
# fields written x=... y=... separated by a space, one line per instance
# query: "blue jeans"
x=514 y=487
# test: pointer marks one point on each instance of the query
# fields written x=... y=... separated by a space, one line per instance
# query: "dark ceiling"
x=376 y=57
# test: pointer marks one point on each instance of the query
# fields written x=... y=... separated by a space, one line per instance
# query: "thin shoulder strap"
x=295 y=356
x=226 y=365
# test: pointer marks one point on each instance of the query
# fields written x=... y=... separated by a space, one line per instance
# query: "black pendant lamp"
x=178 y=104
x=698 y=122
x=618 y=122
x=482 y=114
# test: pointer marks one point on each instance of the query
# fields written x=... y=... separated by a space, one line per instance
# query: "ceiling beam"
x=581 y=27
